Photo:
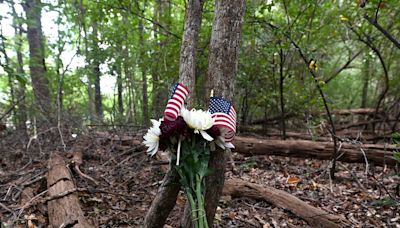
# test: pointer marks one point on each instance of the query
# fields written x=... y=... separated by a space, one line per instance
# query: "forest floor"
x=128 y=181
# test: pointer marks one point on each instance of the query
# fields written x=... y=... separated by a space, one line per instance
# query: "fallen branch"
x=314 y=216
x=378 y=154
x=6 y=208
x=354 y=111
x=64 y=208
x=77 y=161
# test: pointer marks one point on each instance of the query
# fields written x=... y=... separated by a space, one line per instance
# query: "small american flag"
x=179 y=93
x=224 y=115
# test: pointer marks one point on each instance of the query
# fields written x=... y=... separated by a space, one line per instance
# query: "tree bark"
x=10 y=72
x=222 y=67
x=145 y=102
x=120 y=91
x=82 y=16
x=164 y=201
x=128 y=69
x=37 y=66
x=187 y=66
x=20 y=92
x=98 y=104
x=120 y=88
x=159 y=15
x=378 y=154
x=366 y=71
x=64 y=210
x=282 y=99
x=166 y=196
x=314 y=216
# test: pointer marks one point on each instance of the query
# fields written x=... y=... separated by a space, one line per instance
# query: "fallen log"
x=355 y=111
x=360 y=135
x=314 y=216
x=63 y=211
x=364 y=123
x=354 y=153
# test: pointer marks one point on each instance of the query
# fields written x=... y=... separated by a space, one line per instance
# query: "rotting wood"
x=378 y=154
x=314 y=216
x=64 y=210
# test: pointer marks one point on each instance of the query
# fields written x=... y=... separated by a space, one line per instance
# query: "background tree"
x=37 y=66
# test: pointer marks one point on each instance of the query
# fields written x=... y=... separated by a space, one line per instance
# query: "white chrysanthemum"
x=152 y=137
x=199 y=120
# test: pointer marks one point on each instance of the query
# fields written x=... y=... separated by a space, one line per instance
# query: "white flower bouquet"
x=190 y=136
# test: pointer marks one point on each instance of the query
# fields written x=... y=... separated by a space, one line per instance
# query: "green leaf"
x=384 y=202
x=396 y=156
x=21 y=78
x=247 y=165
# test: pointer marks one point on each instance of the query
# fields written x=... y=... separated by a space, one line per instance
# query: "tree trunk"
x=281 y=80
x=166 y=196
x=120 y=91
x=143 y=69
x=187 y=66
x=164 y=201
x=128 y=69
x=10 y=72
x=21 y=116
x=82 y=16
x=378 y=154
x=20 y=92
x=366 y=73
x=222 y=66
x=96 y=73
x=37 y=66
x=158 y=103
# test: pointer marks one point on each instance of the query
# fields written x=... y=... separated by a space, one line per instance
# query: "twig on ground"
x=27 y=205
x=78 y=170
x=7 y=209
x=366 y=161
x=354 y=177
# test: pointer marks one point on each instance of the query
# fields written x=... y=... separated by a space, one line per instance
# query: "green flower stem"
x=193 y=207
x=200 y=202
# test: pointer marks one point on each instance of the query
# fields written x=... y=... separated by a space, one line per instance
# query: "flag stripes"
x=179 y=93
x=224 y=116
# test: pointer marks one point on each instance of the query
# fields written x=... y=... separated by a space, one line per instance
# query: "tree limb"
x=382 y=30
x=338 y=71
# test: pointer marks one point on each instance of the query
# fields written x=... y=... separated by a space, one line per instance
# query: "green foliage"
x=388 y=201
x=321 y=30
x=396 y=142
x=247 y=166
